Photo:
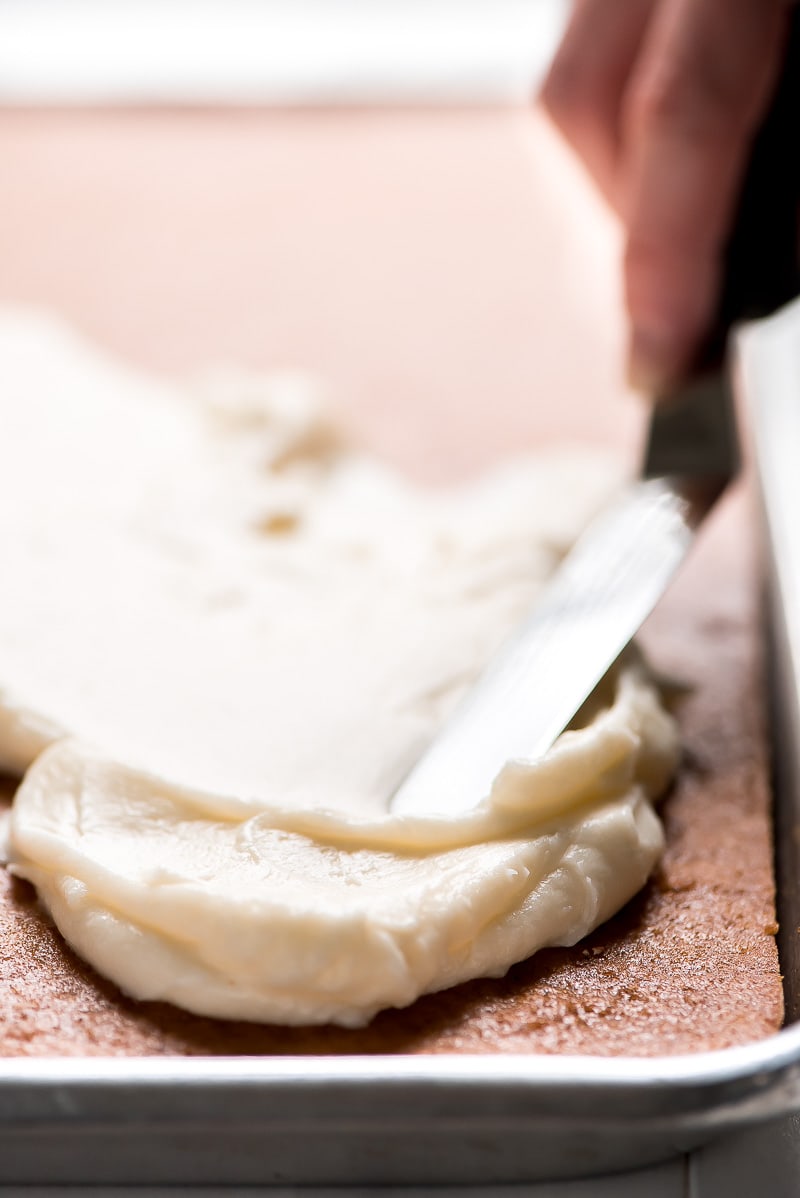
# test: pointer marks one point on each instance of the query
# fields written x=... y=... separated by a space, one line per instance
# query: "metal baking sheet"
x=443 y=1119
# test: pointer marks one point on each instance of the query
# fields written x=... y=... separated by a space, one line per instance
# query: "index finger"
x=704 y=81
x=586 y=82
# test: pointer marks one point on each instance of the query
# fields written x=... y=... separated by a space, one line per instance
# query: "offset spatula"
x=600 y=596
x=618 y=570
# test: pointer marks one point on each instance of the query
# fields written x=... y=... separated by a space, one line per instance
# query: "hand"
x=661 y=99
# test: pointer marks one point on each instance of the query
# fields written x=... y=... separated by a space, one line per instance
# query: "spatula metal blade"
x=597 y=600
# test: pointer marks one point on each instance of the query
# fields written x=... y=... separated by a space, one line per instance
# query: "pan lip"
x=775 y=1053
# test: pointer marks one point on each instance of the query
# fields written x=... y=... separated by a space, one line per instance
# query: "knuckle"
x=702 y=105
x=563 y=92
x=576 y=99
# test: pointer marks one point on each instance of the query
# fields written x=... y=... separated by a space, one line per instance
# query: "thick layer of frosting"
x=239 y=634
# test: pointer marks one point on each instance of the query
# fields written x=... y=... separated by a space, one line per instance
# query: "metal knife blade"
x=597 y=600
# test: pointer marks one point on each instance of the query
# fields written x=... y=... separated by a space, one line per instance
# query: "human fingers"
x=585 y=85
x=700 y=87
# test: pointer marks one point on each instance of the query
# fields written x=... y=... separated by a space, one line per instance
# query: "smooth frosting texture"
x=236 y=633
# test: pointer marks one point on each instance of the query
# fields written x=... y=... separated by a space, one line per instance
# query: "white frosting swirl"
x=235 y=635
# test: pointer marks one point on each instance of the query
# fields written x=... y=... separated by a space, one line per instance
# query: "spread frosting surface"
x=225 y=635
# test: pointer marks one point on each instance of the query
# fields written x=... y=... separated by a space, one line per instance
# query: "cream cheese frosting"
x=225 y=635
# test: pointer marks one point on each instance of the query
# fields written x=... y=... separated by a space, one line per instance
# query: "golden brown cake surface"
x=691 y=964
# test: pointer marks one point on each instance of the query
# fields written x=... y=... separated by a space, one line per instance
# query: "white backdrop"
x=275 y=51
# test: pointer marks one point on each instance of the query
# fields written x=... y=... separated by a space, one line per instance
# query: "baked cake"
x=690 y=965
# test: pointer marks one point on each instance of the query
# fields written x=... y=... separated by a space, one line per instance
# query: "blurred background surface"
x=362 y=189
